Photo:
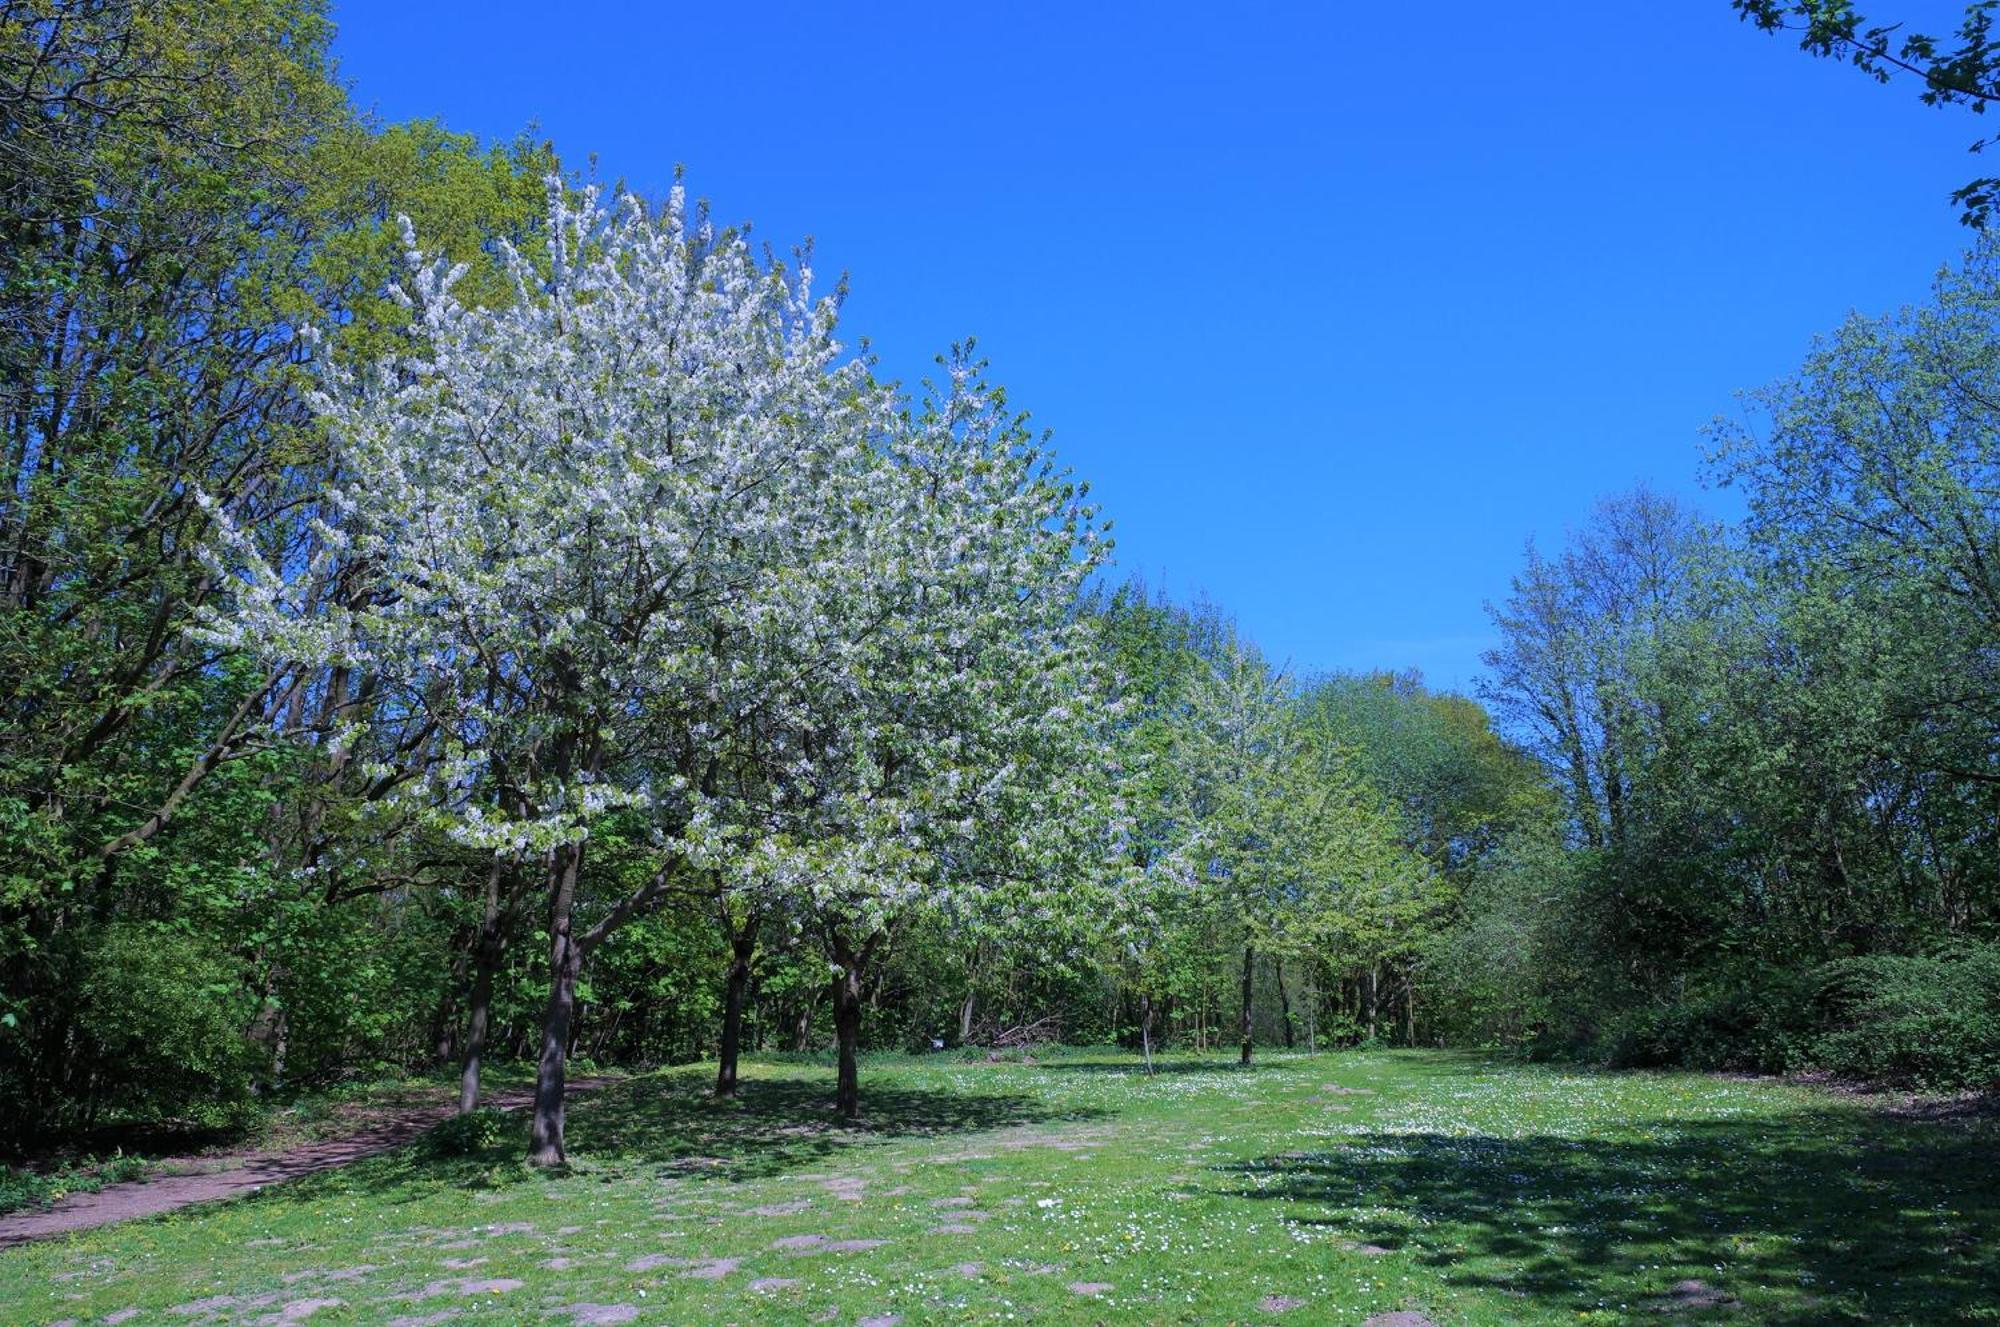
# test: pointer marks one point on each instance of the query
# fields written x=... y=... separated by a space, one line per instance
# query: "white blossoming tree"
x=641 y=544
x=953 y=752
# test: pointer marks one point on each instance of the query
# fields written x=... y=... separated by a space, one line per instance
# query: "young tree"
x=1574 y=636
x=953 y=750
x=638 y=544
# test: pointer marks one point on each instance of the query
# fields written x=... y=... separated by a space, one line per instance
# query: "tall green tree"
x=185 y=187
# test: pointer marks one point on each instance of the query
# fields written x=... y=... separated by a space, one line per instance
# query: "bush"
x=1927 y=1022
x=1747 y=1025
x=468 y=1134
x=163 y=1016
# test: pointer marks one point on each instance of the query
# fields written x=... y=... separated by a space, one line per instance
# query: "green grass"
x=1077 y=1190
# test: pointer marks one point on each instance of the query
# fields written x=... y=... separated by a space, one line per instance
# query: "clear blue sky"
x=1334 y=305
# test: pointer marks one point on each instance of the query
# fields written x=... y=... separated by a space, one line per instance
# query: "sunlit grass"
x=1308 y=1189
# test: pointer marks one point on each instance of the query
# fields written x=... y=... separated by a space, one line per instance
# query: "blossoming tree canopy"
x=640 y=542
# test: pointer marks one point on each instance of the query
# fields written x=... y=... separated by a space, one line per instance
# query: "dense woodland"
x=452 y=611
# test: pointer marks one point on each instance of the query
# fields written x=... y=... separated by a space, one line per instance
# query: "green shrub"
x=1930 y=1022
x=1745 y=1025
x=163 y=1015
x=468 y=1134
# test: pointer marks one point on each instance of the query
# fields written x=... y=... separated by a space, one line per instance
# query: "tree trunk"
x=743 y=947
x=446 y=1048
x=545 y=1140
x=1249 y=1025
x=280 y=1043
x=965 y=1011
x=606 y=1034
x=1370 y=1006
x=848 y=986
x=1409 y=1008
x=268 y=1030
x=444 y=1021
x=485 y=961
x=1313 y=998
x=802 y=1028
x=1146 y=1029
x=1285 y=1006
x=847 y=1029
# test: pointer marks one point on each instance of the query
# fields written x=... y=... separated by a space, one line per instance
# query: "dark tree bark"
x=847 y=1031
x=969 y=1005
x=1409 y=1008
x=567 y=953
x=743 y=953
x=802 y=1027
x=1285 y=1005
x=1371 y=1004
x=545 y=1139
x=1249 y=1021
x=444 y=1026
x=847 y=988
x=485 y=961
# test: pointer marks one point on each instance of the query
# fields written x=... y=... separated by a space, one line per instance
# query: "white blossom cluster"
x=641 y=541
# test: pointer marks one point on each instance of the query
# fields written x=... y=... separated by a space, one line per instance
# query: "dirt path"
x=230 y=1174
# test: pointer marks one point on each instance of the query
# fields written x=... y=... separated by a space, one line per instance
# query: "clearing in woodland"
x=1393 y=1189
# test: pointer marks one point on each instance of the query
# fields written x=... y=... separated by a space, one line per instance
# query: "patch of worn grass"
x=1323 y=1189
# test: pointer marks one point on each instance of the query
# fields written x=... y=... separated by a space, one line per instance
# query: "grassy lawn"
x=1315 y=1190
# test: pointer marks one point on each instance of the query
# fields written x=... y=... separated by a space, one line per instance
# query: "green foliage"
x=1960 y=70
x=1513 y=969
x=1775 y=744
x=1754 y=1023
x=1927 y=1021
x=1460 y=786
x=469 y=1134
x=1923 y=1021
x=163 y=1014
x=186 y=187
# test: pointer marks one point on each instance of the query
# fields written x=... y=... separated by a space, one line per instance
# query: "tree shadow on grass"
x=1811 y=1219
x=670 y=1123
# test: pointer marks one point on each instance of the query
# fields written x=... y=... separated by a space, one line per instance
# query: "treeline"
x=448 y=610
x=1778 y=744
